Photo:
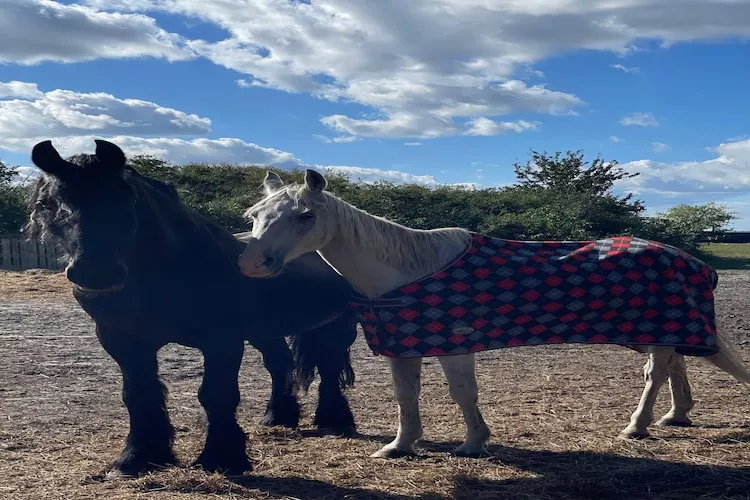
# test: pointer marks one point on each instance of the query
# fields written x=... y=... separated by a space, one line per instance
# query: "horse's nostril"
x=269 y=262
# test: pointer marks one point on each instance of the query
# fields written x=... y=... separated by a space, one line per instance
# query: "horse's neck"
x=370 y=275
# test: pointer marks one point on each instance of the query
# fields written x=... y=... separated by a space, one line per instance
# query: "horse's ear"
x=45 y=156
x=314 y=181
x=272 y=182
x=109 y=154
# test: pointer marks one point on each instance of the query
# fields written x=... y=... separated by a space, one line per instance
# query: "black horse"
x=151 y=271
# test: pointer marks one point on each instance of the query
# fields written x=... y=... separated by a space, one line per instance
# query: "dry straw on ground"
x=554 y=411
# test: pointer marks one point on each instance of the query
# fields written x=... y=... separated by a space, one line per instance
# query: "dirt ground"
x=554 y=411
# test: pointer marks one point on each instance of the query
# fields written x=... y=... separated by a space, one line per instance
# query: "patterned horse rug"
x=505 y=293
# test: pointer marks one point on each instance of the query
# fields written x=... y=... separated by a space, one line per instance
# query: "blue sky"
x=438 y=92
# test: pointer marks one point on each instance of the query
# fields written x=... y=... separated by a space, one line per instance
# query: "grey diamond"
x=669 y=339
x=555 y=294
x=459 y=274
x=575 y=279
x=636 y=288
x=500 y=321
x=477 y=260
x=528 y=308
x=673 y=286
x=673 y=313
x=435 y=340
x=458 y=298
x=576 y=305
x=546 y=318
x=603 y=327
x=558 y=329
x=496 y=344
x=516 y=331
x=435 y=287
x=530 y=282
x=434 y=313
x=480 y=310
x=631 y=314
x=483 y=285
x=506 y=296
x=409 y=328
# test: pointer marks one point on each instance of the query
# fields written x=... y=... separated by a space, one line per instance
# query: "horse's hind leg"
x=219 y=394
x=655 y=373
x=462 y=382
x=407 y=385
x=682 y=399
x=282 y=408
x=149 y=441
x=329 y=349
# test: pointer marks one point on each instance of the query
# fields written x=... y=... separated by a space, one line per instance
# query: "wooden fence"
x=17 y=254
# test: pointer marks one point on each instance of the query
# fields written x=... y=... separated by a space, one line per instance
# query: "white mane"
x=389 y=242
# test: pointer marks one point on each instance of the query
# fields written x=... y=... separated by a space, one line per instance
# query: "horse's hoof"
x=236 y=467
x=673 y=422
x=117 y=474
x=628 y=435
x=392 y=453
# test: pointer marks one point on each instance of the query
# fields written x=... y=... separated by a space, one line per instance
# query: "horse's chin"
x=84 y=291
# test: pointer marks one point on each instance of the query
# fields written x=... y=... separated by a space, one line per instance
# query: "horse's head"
x=87 y=205
x=286 y=223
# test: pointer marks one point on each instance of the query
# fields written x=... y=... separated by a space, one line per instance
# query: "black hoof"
x=346 y=431
x=230 y=466
x=283 y=412
x=133 y=464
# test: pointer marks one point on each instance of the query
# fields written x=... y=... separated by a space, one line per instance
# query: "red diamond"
x=555 y=340
x=457 y=339
x=478 y=347
x=696 y=278
x=554 y=280
x=671 y=326
x=504 y=309
x=577 y=292
x=495 y=332
x=531 y=295
x=693 y=339
x=552 y=306
x=596 y=278
x=636 y=302
x=527 y=270
x=633 y=275
x=650 y=314
x=644 y=338
x=597 y=304
x=646 y=261
x=483 y=297
x=458 y=286
x=599 y=339
x=435 y=351
x=507 y=283
x=391 y=328
x=514 y=342
x=570 y=268
x=434 y=326
x=411 y=288
x=609 y=315
x=409 y=341
x=482 y=272
x=673 y=300
x=432 y=300
x=581 y=327
x=626 y=327
x=457 y=312
x=652 y=288
x=479 y=323
x=408 y=314
x=536 y=330
x=498 y=260
x=669 y=273
x=523 y=319
x=569 y=317
x=617 y=289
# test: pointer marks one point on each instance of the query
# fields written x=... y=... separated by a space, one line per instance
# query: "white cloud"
x=726 y=174
x=73 y=120
x=423 y=64
x=639 y=120
x=614 y=138
x=659 y=147
x=485 y=126
x=21 y=90
x=625 y=69
x=412 y=144
x=34 y=114
x=33 y=31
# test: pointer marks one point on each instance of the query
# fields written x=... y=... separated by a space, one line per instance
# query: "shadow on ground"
x=557 y=475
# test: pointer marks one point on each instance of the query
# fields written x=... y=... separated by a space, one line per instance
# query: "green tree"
x=13 y=211
x=690 y=223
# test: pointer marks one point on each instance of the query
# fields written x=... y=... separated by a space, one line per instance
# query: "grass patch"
x=726 y=256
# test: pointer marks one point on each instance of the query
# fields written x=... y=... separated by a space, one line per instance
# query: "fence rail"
x=17 y=254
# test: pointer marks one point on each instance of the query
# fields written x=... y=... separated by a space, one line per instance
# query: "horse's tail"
x=729 y=359
x=327 y=349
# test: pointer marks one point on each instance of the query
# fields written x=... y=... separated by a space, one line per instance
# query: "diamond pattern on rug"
x=506 y=293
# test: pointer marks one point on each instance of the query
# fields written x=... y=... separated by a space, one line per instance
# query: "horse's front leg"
x=655 y=373
x=149 y=441
x=283 y=407
x=219 y=394
x=462 y=382
x=682 y=398
x=407 y=384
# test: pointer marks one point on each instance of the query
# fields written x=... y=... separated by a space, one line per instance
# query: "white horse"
x=376 y=256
